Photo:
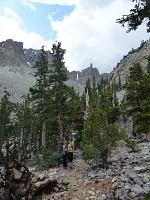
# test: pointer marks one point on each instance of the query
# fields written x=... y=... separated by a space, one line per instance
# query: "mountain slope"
x=134 y=56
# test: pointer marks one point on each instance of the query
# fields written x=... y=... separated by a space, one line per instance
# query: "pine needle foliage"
x=139 y=14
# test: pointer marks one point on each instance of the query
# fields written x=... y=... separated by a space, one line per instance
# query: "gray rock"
x=137 y=189
x=146 y=179
x=91 y=173
x=137 y=181
x=104 y=197
x=118 y=193
x=138 y=169
x=132 y=175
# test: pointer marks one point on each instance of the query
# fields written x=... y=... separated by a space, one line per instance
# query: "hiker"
x=70 y=152
x=61 y=143
x=65 y=154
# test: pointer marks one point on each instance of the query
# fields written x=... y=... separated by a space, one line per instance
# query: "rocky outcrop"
x=90 y=72
x=32 y=55
x=138 y=55
x=11 y=54
x=15 y=73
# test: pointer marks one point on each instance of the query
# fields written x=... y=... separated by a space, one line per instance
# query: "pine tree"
x=39 y=93
x=75 y=115
x=95 y=95
x=23 y=125
x=138 y=14
x=108 y=102
x=99 y=137
x=59 y=91
x=6 y=109
x=138 y=97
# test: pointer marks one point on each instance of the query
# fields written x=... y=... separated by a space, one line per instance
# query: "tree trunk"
x=43 y=134
x=60 y=124
x=147 y=2
x=21 y=144
x=148 y=136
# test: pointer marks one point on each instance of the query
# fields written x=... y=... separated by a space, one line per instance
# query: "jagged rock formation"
x=90 y=72
x=15 y=73
x=12 y=54
x=138 y=55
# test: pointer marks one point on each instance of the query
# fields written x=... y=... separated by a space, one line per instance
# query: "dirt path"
x=77 y=185
x=73 y=180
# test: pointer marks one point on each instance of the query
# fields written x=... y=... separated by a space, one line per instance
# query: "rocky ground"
x=127 y=178
x=77 y=184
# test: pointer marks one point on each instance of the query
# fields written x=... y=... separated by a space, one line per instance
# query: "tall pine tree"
x=138 y=98
x=39 y=93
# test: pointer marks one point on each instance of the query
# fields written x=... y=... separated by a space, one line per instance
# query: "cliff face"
x=15 y=73
x=11 y=54
x=90 y=72
x=134 y=56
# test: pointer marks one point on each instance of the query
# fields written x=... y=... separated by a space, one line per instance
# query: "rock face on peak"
x=11 y=54
x=90 y=72
x=31 y=56
x=138 y=55
x=15 y=73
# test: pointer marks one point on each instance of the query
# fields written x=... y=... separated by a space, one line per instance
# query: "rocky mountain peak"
x=11 y=44
x=89 y=72
x=12 y=54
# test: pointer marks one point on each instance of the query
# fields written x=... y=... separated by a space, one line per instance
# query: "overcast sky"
x=87 y=29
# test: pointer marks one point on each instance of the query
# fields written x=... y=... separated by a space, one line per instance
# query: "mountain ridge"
x=16 y=68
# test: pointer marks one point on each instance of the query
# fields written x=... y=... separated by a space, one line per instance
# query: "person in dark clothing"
x=65 y=154
x=70 y=152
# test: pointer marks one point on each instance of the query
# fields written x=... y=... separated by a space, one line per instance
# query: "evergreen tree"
x=138 y=97
x=138 y=14
x=39 y=93
x=92 y=92
x=23 y=125
x=99 y=138
x=108 y=102
x=75 y=116
x=6 y=126
x=94 y=95
x=59 y=90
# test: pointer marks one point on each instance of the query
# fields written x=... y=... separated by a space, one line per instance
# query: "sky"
x=87 y=29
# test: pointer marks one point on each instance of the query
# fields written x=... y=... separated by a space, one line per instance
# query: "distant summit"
x=11 y=54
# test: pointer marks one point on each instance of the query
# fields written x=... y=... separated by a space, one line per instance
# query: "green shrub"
x=132 y=145
x=147 y=196
x=45 y=158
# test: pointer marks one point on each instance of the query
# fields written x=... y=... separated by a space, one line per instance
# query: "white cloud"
x=90 y=34
x=28 y=4
x=10 y=13
x=10 y=28
x=56 y=2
